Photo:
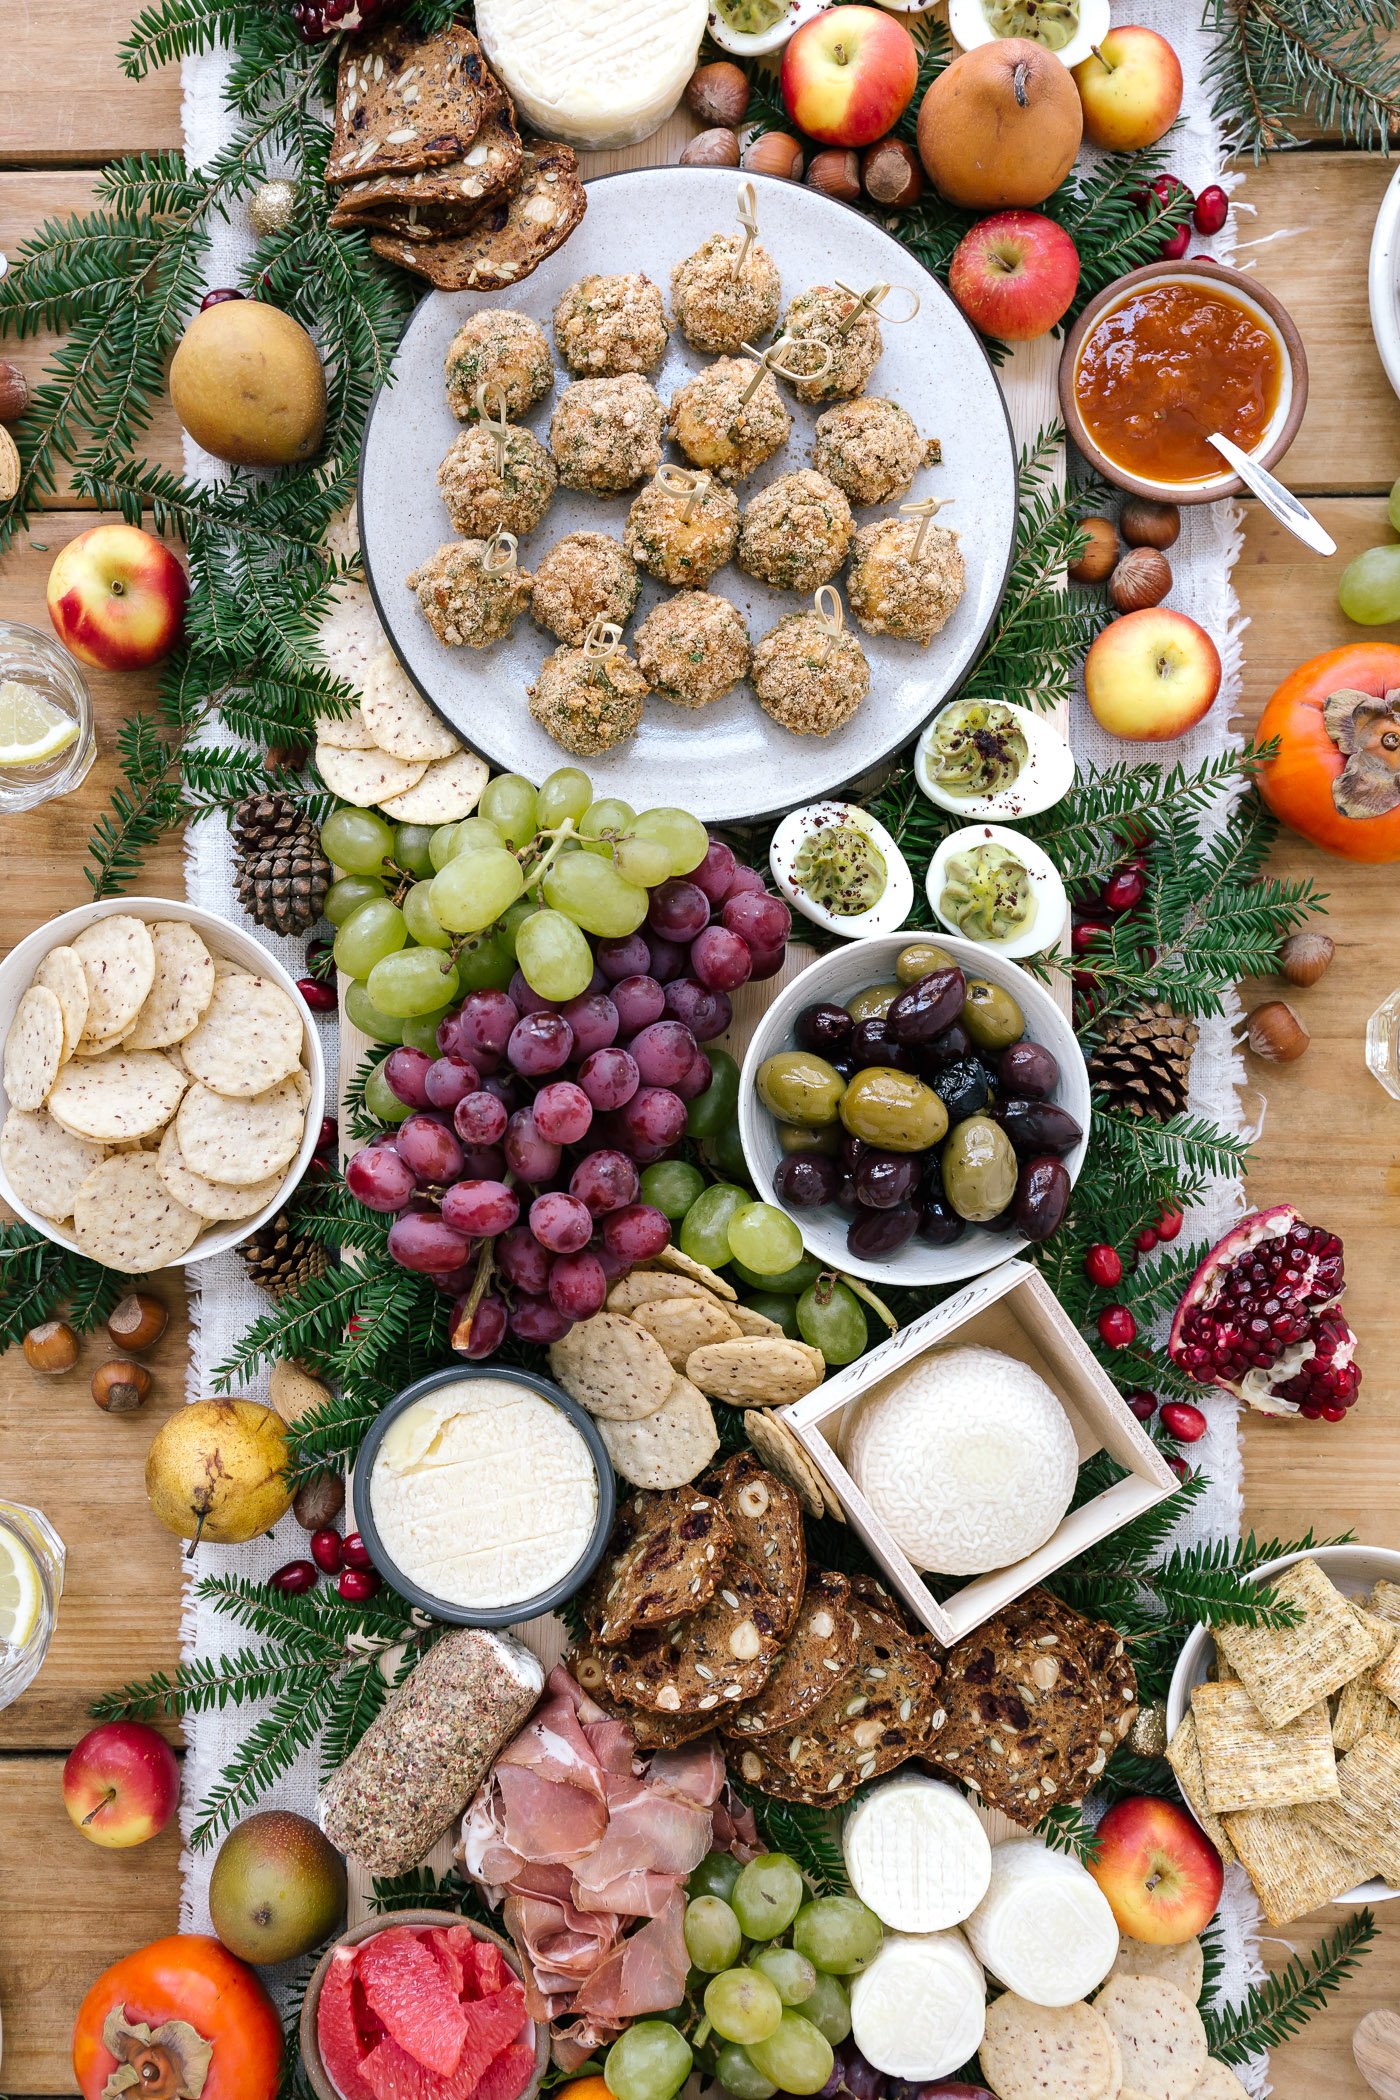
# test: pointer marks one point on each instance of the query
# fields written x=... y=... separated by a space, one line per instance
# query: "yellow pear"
x=217 y=1471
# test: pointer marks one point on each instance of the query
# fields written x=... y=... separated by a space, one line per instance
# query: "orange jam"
x=1167 y=366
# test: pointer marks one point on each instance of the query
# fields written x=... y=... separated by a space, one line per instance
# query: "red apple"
x=1161 y=1875
x=1014 y=275
x=121 y=1784
x=1130 y=86
x=117 y=598
x=849 y=75
x=1151 y=675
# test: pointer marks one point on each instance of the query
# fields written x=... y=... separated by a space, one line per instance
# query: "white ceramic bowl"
x=1355 y=1570
x=1383 y=282
x=17 y=971
x=838 y=977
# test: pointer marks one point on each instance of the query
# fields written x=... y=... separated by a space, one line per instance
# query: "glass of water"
x=31 y=1583
x=47 y=743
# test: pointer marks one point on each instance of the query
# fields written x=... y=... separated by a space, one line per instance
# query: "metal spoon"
x=1278 y=500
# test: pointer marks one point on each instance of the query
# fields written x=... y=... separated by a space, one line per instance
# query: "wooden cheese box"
x=1012 y=1309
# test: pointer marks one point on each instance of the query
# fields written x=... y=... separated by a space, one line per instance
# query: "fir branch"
x=1275 y=66
x=1064 y=1829
x=1272 y=2011
x=41 y=1280
x=421 y=1889
x=266 y=1754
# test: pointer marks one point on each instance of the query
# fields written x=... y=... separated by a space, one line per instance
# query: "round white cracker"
x=398 y=717
x=449 y=790
x=125 y=1217
x=668 y=1448
x=45 y=1163
x=33 y=1047
x=366 y=777
x=1048 y=2052
x=780 y=1451
x=349 y=633
x=346 y=732
x=1160 y=2033
x=1218 y=2082
x=119 y=962
x=612 y=1367
x=218 y=1201
x=240 y=1141
x=131 y=1094
x=89 y=1046
x=1184 y=1965
x=63 y=973
x=180 y=990
x=248 y=1038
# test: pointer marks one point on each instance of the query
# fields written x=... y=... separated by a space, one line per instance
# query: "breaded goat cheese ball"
x=464 y=603
x=893 y=592
x=505 y=352
x=797 y=532
x=589 y=704
x=606 y=433
x=678 y=549
x=818 y=315
x=694 y=648
x=584 y=577
x=605 y=325
x=716 y=428
x=810 y=677
x=715 y=310
x=480 y=498
x=870 y=448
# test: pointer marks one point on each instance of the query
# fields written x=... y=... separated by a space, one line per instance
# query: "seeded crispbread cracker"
x=240 y=1140
x=119 y=962
x=444 y=199
x=62 y=972
x=684 y=1324
x=1161 y=2036
x=756 y=1371
x=782 y=1454
x=1247 y=1764
x=1287 y=1669
x=181 y=989
x=511 y=238
x=1294 y=1866
x=111 y=1100
x=1049 y=2052
x=1183 y=1964
x=668 y=1448
x=399 y=718
x=681 y=1264
x=768 y=1534
x=721 y=1654
x=1184 y=1757
x=448 y=791
x=33 y=1047
x=247 y=1039
x=46 y=1164
x=819 y=1656
x=1365 y=1818
x=664 y=1564
x=640 y=1285
x=366 y=777
x=407 y=99
x=615 y=1369
x=125 y=1217
x=216 y=1201
x=1218 y=2082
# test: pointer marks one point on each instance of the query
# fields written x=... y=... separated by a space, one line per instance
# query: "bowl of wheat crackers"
x=161 y=1084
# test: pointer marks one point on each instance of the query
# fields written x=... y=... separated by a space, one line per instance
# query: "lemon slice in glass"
x=32 y=727
x=21 y=1591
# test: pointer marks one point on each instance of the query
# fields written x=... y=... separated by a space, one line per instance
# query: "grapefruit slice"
x=405 y=1987
x=338 y=2033
x=507 y=2077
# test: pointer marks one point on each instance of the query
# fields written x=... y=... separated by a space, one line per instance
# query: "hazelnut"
x=120 y=1387
x=836 y=173
x=892 y=173
x=1142 y=578
x=137 y=1322
x=712 y=149
x=1144 y=523
x=718 y=94
x=1096 y=563
x=775 y=153
x=1275 y=1033
x=319 y=1501
x=14 y=392
x=1304 y=957
x=51 y=1347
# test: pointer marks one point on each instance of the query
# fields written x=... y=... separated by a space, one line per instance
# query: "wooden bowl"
x=1265 y=308
x=316 y=2072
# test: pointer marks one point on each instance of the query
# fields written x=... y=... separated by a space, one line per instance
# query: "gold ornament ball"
x=1149 y=1732
x=272 y=206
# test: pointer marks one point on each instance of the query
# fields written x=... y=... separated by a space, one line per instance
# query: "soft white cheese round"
x=594 y=72
x=1044 y=1927
x=920 y=2010
x=917 y=1854
x=484 y=1493
x=968 y=1458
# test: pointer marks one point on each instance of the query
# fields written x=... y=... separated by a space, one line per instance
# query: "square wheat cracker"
x=1295 y=1868
x=1366 y=1817
x=1287 y=1669
x=1247 y=1764
x=1184 y=1757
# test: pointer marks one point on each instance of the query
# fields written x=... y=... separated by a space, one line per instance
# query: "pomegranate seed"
x=1103 y=1265
x=1086 y=935
x=354 y=1552
x=358 y=1585
x=328 y=1136
x=319 y=997
x=1142 y=1404
x=1146 y=1240
x=1186 y=1423
x=1117 y=1327
x=1124 y=891
x=294 y=1579
x=1334 y=1414
x=1169 y=1225
x=325 y=1551
x=1212 y=210
x=225 y=292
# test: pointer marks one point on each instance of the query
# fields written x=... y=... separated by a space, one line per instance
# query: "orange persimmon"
x=1336 y=779
x=187 y=2017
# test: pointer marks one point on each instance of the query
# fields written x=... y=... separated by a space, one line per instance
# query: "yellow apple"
x=1151 y=675
x=1130 y=86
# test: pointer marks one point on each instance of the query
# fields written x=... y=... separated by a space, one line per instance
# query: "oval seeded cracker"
x=180 y=990
x=1049 y=2052
x=1184 y=1964
x=684 y=1324
x=640 y=1285
x=33 y=1047
x=752 y=1323
x=248 y=1038
x=1160 y=2034
x=449 y=790
x=365 y=777
x=240 y=1140
x=119 y=962
x=668 y=1448
x=756 y=1371
x=685 y=1265
x=125 y=1217
x=62 y=972
x=780 y=1451
x=615 y=1369
x=129 y=1094
x=349 y=634
x=217 y=1201
x=399 y=718
x=45 y=1163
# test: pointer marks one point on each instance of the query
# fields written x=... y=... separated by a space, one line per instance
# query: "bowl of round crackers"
x=161 y=1088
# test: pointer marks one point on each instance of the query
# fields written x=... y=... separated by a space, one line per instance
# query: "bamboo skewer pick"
x=830 y=611
x=768 y=361
x=748 y=219
x=496 y=423
x=499 y=554
x=688 y=486
x=603 y=639
x=872 y=300
x=925 y=510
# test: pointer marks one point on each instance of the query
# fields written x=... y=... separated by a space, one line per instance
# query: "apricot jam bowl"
x=1170 y=354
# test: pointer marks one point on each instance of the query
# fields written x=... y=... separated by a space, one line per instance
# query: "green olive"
x=991 y=1016
x=793 y=1138
x=979 y=1170
x=800 y=1088
x=893 y=1110
x=873 y=1003
x=919 y=958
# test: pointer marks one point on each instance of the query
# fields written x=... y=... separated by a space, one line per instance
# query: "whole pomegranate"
x=1260 y=1319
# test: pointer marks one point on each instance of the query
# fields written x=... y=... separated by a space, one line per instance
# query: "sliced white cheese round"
x=594 y=72
x=917 y=1854
x=920 y=2009
x=1044 y=1927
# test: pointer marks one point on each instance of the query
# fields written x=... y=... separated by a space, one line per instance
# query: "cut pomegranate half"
x=1260 y=1319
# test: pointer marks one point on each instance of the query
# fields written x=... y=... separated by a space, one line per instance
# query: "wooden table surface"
x=1331 y=1141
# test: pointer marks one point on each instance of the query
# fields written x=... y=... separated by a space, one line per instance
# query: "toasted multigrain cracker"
x=638 y=1286
x=1184 y=1757
x=511 y=237
x=1385 y=1677
x=781 y=1452
x=1362 y=1710
x=1218 y=2082
x=349 y=637
x=348 y=732
x=1384 y=1632
x=366 y=777
x=664 y=1564
x=240 y=1140
x=125 y=1217
x=1287 y=1669
x=684 y=1265
x=248 y=1038
x=768 y=1534
x=131 y=1094
x=46 y=1164
x=448 y=791
x=62 y=972
x=684 y=1324
x=1247 y=1764
x=408 y=98
x=756 y=1371
x=1183 y=1964
x=1160 y=2034
x=819 y=1656
x=119 y=963
x=1365 y=1818
x=615 y=1369
x=668 y=1448
x=1294 y=1866
x=1049 y=2052
x=181 y=989
x=753 y=1323
x=399 y=718
x=33 y=1047
x=1384 y=1602
x=216 y=1201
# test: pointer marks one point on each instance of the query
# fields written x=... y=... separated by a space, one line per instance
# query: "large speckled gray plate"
x=728 y=761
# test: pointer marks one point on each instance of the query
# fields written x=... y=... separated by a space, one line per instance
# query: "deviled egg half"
x=993 y=885
x=1069 y=28
x=993 y=759
x=840 y=868
x=751 y=27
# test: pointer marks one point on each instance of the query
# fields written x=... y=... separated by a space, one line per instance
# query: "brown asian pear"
x=1000 y=126
x=246 y=382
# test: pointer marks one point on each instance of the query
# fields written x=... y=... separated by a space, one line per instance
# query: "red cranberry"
x=1086 y=935
x=358 y=1585
x=1140 y=1403
x=1212 y=209
x=1176 y=244
x=1117 y=1327
x=295 y=1579
x=225 y=291
x=319 y=997
x=1179 y=1466
x=354 y=1553
x=1103 y=1265
x=1146 y=1240
x=328 y=1135
x=1186 y=1423
x=325 y=1551
x=1169 y=1225
x=1124 y=891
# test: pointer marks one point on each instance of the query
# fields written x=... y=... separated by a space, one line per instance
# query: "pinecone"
x=1143 y=1064
x=283 y=875
x=280 y=1258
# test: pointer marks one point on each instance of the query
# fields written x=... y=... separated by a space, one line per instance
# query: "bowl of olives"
x=918 y=1106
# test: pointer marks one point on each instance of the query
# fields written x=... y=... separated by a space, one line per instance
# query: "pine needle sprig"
x=1064 y=1829
x=41 y=1280
x=1279 y=2007
x=1277 y=66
